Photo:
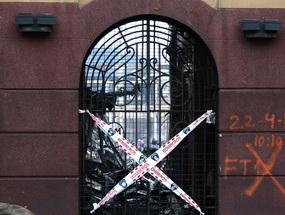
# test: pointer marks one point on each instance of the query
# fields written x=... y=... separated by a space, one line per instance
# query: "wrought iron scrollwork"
x=144 y=79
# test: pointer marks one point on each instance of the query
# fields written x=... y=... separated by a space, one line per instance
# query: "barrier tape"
x=148 y=165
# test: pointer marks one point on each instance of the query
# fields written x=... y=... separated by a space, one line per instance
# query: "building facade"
x=43 y=83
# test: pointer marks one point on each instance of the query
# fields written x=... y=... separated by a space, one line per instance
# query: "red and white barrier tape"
x=148 y=165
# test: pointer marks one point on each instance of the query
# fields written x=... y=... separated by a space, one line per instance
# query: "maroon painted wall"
x=39 y=81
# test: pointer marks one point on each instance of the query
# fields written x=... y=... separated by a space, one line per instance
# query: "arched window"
x=148 y=77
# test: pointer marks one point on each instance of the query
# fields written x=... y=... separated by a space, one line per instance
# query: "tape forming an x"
x=148 y=164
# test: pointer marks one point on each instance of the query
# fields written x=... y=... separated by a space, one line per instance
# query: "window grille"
x=148 y=77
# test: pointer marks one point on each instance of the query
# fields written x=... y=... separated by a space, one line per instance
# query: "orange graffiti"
x=266 y=167
x=247 y=121
x=242 y=161
x=245 y=161
x=227 y=168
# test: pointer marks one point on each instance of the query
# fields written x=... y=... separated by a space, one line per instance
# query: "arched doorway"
x=148 y=77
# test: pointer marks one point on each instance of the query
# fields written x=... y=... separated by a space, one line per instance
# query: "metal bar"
x=148 y=105
x=155 y=51
x=123 y=37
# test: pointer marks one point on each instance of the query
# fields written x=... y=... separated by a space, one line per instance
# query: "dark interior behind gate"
x=148 y=77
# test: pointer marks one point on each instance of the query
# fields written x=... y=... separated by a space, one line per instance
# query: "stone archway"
x=148 y=77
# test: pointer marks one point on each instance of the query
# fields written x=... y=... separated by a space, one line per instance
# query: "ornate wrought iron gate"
x=148 y=77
